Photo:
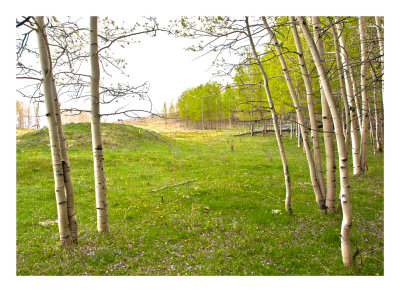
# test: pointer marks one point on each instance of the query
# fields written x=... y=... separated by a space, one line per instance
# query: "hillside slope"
x=78 y=135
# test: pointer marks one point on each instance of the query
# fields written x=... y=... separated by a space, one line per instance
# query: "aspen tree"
x=377 y=124
x=381 y=46
x=342 y=151
x=44 y=57
x=364 y=103
x=326 y=123
x=310 y=105
x=304 y=133
x=371 y=130
x=355 y=142
x=68 y=187
x=343 y=92
x=97 y=146
x=274 y=120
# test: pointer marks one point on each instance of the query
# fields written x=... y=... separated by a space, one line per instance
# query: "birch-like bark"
x=68 y=187
x=364 y=65
x=310 y=105
x=326 y=124
x=274 y=120
x=381 y=47
x=377 y=125
x=355 y=140
x=298 y=133
x=44 y=57
x=342 y=152
x=343 y=92
x=97 y=146
x=291 y=127
x=304 y=132
x=371 y=130
x=356 y=92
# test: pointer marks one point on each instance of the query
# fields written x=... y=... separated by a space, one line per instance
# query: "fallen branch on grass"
x=259 y=132
x=174 y=185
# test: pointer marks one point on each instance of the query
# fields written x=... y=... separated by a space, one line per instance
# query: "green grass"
x=221 y=224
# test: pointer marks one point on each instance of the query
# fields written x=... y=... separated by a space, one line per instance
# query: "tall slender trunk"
x=326 y=123
x=364 y=128
x=343 y=92
x=298 y=133
x=381 y=47
x=371 y=130
x=355 y=142
x=291 y=126
x=356 y=97
x=274 y=120
x=377 y=125
x=97 y=146
x=68 y=187
x=310 y=105
x=342 y=151
x=304 y=132
x=46 y=68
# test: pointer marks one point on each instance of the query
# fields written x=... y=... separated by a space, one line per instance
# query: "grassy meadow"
x=223 y=223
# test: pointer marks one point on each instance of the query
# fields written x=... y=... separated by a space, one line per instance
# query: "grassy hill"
x=223 y=223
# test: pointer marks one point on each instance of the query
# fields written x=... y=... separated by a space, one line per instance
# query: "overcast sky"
x=161 y=61
x=169 y=69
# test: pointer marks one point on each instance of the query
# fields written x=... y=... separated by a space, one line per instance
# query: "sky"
x=161 y=61
x=169 y=69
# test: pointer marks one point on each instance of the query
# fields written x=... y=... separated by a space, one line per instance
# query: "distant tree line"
x=27 y=116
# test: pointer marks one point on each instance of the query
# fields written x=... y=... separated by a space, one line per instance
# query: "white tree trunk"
x=311 y=109
x=343 y=92
x=44 y=57
x=97 y=146
x=342 y=153
x=381 y=47
x=364 y=65
x=304 y=132
x=327 y=125
x=275 y=122
x=355 y=141
x=68 y=187
x=371 y=130
x=377 y=125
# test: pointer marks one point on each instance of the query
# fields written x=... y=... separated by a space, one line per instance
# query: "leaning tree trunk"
x=310 y=104
x=304 y=133
x=327 y=125
x=355 y=142
x=274 y=120
x=46 y=68
x=364 y=65
x=97 y=146
x=342 y=151
x=68 y=187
